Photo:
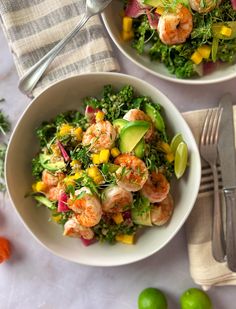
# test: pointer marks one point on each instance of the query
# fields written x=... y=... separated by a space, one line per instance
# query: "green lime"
x=195 y=299
x=152 y=298
x=181 y=159
x=178 y=138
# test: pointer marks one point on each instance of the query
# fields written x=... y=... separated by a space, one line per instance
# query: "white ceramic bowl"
x=23 y=145
x=113 y=22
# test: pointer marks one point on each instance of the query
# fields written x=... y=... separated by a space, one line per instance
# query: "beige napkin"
x=33 y=27
x=204 y=270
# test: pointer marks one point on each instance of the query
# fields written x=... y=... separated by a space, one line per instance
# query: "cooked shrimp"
x=72 y=228
x=161 y=212
x=100 y=135
x=51 y=179
x=175 y=28
x=116 y=199
x=137 y=114
x=86 y=206
x=132 y=173
x=156 y=188
x=204 y=6
x=54 y=192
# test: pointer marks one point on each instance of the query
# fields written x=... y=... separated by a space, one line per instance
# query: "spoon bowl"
x=31 y=78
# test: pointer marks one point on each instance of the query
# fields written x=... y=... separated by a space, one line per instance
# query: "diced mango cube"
x=95 y=158
x=165 y=147
x=98 y=179
x=127 y=36
x=99 y=116
x=57 y=218
x=125 y=239
x=93 y=172
x=204 y=51
x=104 y=155
x=39 y=186
x=160 y=10
x=170 y=157
x=118 y=218
x=227 y=31
x=196 y=57
x=56 y=150
x=127 y=23
x=65 y=129
x=78 y=133
x=115 y=152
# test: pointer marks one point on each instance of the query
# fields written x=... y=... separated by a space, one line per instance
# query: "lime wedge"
x=181 y=158
x=178 y=138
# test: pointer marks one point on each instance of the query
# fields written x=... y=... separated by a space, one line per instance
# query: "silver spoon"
x=31 y=78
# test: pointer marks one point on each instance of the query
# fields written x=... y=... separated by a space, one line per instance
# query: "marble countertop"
x=34 y=278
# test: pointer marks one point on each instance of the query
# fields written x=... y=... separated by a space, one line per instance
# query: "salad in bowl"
x=188 y=41
x=105 y=174
x=59 y=114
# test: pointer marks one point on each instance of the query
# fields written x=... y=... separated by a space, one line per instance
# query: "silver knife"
x=226 y=148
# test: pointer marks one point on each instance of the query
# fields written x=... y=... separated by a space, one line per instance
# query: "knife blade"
x=226 y=149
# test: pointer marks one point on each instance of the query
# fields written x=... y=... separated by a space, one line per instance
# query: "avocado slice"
x=139 y=149
x=131 y=134
x=44 y=201
x=45 y=162
x=154 y=3
x=120 y=123
x=156 y=117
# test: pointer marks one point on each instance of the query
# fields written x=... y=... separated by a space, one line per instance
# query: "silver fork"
x=209 y=152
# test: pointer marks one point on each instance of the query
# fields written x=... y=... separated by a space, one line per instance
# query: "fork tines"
x=207 y=185
x=211 y=126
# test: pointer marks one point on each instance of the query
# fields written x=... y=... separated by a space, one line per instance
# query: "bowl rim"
x=194 y=145
x=156 y=73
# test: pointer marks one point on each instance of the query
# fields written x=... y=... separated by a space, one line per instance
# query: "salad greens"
x=177 y=57
x=70 y=173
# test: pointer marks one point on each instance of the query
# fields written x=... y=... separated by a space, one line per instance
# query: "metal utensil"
x=228 y=171
x=209 y=152
x=30 y=79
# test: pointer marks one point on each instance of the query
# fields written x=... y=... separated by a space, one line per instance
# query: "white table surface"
x=35 y=278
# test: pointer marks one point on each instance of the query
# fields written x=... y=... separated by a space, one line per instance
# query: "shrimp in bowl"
x=114 y=174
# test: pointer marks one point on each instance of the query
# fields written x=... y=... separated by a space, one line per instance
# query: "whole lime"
x=152 y=298
x=195 y=299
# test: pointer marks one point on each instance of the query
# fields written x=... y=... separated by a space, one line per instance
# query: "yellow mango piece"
x=127 y=36
x=226 y=31
x=56 y=218
x=196 y=57
x=99 y=116
x=95 y=158
x=65 y=129
x=170 y=157
x=160 y=10
x=78 y=133
x=127 y=23
x=115 y=152
x=165 y=147
x=40 y=186
x=118 y=218
x=104 y=155
x=125 y=239
x=204 y=51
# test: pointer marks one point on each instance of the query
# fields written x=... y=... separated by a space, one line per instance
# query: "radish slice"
x=88 y=242
x=62 y=203
x=233 y=2
x=90 y=113
x=63 y=151
x=134 y=9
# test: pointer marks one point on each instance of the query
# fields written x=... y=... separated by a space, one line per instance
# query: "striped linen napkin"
x=204 y=270
x=33 y=27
